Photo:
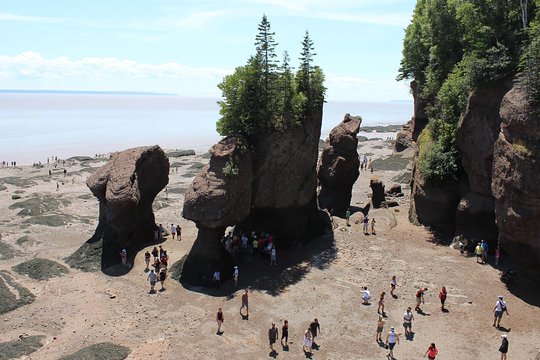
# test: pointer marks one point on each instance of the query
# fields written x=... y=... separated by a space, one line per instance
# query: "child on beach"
x=393 y=284
x=442 y=297
x=219 y=319
x=380 y=309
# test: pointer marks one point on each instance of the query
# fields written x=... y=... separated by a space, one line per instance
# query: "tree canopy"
x=264 y=95
x=451 y=47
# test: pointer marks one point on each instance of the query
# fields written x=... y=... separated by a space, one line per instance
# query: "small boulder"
x=377 y=196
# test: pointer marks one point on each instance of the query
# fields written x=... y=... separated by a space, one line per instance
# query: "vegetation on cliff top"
x=265 y=95
x=453 y=46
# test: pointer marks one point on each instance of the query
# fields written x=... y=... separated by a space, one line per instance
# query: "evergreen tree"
x=265 y=45
x=305 y=70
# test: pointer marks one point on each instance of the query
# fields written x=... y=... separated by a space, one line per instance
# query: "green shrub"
x=437 y=165
x=230 y=169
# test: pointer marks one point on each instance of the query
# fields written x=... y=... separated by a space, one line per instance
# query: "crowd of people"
x=160 y=265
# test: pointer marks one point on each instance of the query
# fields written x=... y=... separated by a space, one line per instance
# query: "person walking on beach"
x=314 y=327
x=147 y=260
x=162 y=277
x=503 y=349
x=155 y=253
x=373 y=226
x=500 y=308
x=285 y=334
x=348 y=216
x=272 y=336
x=431 y=352
x=160 y=232
x=485 y=248
x=173 y=231
x=408 y=318
x=478 y=251
x=380 y=328
x=152 y=277
x=442 y=297
x=178 y=233
x=235 y=276
x=391 y=340
x=380 y=308
x=219 y=319
x=245 y=304
x=393 y=284
x=420 y=299
x=308 y=341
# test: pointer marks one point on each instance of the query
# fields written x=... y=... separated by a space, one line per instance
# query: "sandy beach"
x=70 y=310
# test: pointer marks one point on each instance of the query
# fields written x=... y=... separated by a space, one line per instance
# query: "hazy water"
x=35 y=126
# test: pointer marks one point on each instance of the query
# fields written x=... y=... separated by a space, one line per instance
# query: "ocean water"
x=36 y=126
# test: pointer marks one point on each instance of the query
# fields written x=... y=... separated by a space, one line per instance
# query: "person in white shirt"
x=366 y=296
x=235 y=275
x=153 y=279
x=173 y=231
x=391 y=339
x=500 y=308
x=408 y=318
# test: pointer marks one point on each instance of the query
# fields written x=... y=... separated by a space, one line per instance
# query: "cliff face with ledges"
x=516 y=172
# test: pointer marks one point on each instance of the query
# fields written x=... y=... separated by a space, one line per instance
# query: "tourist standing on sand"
x=500 y=308
x=314 y=327
x=373 y=222
x=478 y=251
x=173 y=231
x=285 y=333
x=485 y=248
x=366 y=296
x=217 y=278
x=178 y=233
x=420 y=299
x=380 y=308
x=442 y=296
x=380 y=328
x=503 y=349
x=272 y=336
x=273 y=257
x=245 y=303
x=391 y=340
x=162 y=277
x=160 y=232
x=366 y=225
x=219 y=319
x=152 y=277
x=431 y=352
x=235 y=276
x=393 y=284
x=155 y=253
x=348 y=216
x=308 y=341
x=147 y=260
x=123 y=256
x=408 y=318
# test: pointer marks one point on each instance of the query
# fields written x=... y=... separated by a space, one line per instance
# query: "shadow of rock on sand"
x=23 y=346
x=105 y=350
x=292 y=266
x=8 y=300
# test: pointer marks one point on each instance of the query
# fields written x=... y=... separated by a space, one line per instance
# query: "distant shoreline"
x=85 y=92
x=383 y=128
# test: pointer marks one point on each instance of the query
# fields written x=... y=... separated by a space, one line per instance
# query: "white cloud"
x=33 y=65
x=359 y=88
x=32 y=19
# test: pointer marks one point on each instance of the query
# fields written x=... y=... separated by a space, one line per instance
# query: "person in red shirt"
x=420 y=299
x=442 y=297
x=431 y=352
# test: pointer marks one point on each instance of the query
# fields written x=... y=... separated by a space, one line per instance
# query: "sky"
x=186 y=47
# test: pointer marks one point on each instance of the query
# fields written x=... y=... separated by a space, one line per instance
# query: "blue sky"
x=186 y=47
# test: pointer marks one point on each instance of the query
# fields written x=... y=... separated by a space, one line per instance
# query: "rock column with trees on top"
x=276 y=116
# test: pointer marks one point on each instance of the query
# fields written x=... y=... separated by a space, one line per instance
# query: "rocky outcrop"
x=126 y=187
x=273 y=188
x=339 y=165
x=516 y=169
x=478 y=129
x=218 y=197
x=377 y=192
x=433 y=204
x=404 y=137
